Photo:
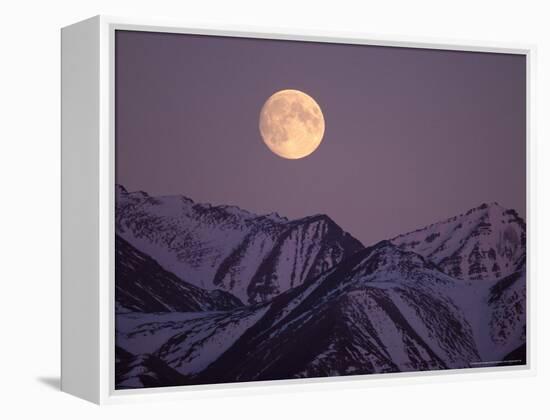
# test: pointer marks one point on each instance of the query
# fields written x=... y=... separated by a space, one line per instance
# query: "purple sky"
x=412 y=136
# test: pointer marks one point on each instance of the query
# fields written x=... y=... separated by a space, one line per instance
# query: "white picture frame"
x=88 y=157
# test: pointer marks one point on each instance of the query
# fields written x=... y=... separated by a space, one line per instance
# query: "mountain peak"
x=318 y=218
x=119 y=189
x=485 y=242
x=486 y=206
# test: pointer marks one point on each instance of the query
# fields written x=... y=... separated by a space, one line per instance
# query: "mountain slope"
x=485 y=242
x=507 y=301
x=253 y=257
x=378 y=311
x=142 y=285
x=188 y=342
x=143 y=371
x=318 y=309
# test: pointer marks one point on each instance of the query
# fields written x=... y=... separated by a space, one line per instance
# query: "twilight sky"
x=412 y=136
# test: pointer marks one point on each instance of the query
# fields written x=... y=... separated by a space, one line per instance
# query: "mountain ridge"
x=320 y=303
x=252 y=257
x=465 y=247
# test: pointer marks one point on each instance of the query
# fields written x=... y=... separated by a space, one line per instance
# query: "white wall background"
x=29 y=207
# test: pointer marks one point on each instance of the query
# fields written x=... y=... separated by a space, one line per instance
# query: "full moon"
x=292 y=124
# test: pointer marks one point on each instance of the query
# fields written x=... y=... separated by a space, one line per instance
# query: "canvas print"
x=289 y=209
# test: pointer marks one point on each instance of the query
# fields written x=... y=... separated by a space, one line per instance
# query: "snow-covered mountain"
x=379 y=311
x=485 y=242
x=382 y=310
x=222 y=247
x=142 y=285
x=187 y=342
x=426 y=300
x=507 y=300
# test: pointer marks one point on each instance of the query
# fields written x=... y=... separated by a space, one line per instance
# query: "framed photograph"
x=243 y=208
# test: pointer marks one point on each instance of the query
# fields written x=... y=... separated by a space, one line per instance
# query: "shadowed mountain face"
x=142 y=285
x=317 y=303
